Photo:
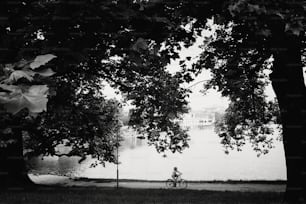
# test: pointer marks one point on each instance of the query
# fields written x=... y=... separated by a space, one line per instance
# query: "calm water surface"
x=204 y=160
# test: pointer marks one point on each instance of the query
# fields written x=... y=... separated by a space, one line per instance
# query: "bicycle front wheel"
x=183 y=184
x=169 y=183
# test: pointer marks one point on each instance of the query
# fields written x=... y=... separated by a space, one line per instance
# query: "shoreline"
x=107 y=180
x=242 y=186
x=189 y=181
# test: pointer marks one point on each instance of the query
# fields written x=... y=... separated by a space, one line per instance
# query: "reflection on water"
x=131 y=140
x=204 y=160
x=55 y=165
x=70 y=166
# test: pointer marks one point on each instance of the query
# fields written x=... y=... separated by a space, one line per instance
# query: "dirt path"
x=243 y=187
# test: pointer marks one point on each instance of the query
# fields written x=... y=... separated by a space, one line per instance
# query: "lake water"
x=204 y=160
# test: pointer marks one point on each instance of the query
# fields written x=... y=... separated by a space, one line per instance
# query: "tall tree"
x=140 y=38
x=93 y=42
x=252 y=34
x=19 y=91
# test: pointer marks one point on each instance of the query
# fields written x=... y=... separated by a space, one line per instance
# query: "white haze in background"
x=205 y=159
x=197 y=100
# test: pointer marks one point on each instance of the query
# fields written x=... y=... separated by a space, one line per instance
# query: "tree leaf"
x=296 y=28
x=140 y=45
x=236 y=7
x=23 y=63
x=18 y=74
x=256 y=8
x=218 y=19
x=161 y=19
x=9 y=67
x=10 y=88
x=41 y=60
x=46 y=72
x=265 y=32
x=34 y=98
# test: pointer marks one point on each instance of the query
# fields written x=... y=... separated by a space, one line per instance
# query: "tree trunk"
x=13 y=171
x=288 y=84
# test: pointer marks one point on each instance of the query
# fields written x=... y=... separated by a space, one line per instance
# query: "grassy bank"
x=101 y=180
x=73 y=195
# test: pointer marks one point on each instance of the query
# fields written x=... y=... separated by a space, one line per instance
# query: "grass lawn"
x=91 y=195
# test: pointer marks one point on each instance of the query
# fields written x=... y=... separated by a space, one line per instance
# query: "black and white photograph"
x=152 y=101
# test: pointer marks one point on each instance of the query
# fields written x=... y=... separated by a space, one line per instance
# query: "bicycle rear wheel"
x=183 y=184
x=169 y=183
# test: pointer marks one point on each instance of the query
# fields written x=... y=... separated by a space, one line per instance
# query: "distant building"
x=198 y=119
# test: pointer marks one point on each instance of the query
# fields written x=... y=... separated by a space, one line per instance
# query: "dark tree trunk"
x=13 y=171
x=288 y=84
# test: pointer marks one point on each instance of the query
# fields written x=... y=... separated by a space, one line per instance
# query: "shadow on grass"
x=94 y=195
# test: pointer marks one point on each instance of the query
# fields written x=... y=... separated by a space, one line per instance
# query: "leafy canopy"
x=124 y=43
x=129 y=43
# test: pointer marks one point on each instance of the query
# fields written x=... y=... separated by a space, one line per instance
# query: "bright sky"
x=197 y=100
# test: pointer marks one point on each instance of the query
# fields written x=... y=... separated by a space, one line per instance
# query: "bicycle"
x=180 y=183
